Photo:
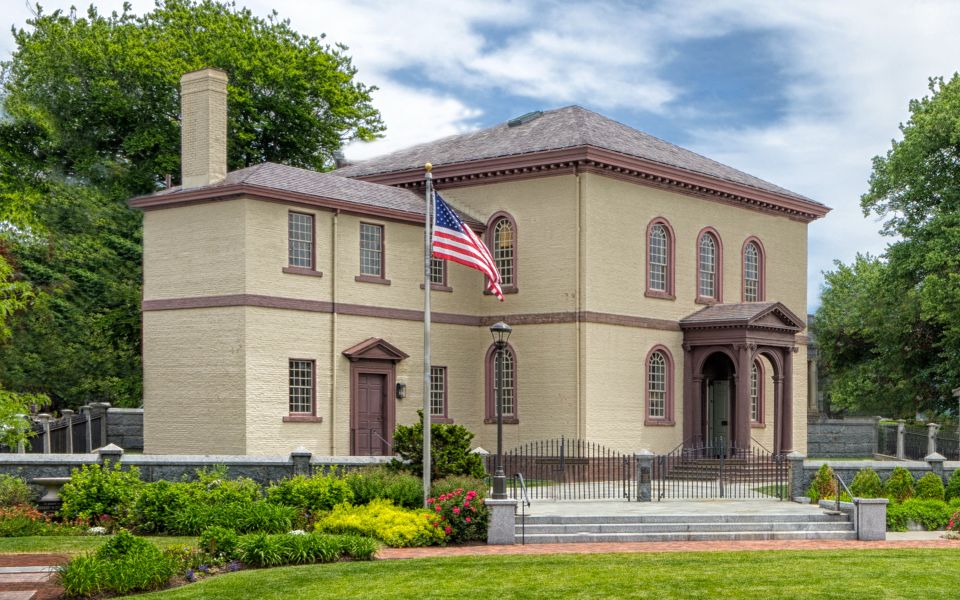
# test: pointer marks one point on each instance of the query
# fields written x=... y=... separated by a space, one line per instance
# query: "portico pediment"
x=375 y=349
x=747 y=315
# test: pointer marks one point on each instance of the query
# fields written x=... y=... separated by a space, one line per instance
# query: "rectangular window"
x=301 y=386
x=371 y=250
x=438 y=271
x=300 y=240
x=438 y=391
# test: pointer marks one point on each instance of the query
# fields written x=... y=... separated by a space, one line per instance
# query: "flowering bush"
x=23 y=519
x=392 y=525
x=461 y=514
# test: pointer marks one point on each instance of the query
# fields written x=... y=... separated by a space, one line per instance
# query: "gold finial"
x=428 y=167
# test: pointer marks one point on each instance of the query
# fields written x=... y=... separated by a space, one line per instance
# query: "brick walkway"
x=480 y=550
x=29 y=576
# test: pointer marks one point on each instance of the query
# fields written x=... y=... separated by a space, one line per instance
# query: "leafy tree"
x=89 y=117
x=449 y=450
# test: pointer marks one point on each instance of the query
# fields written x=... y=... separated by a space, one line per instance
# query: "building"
x=653 y=294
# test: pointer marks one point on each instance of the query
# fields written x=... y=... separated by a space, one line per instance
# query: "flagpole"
x=427 y=234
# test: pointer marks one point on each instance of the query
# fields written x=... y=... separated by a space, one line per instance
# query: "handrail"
x=524 y=503
x=380 y=437
x=767 y=450
x=524 y=499
x=853 y=500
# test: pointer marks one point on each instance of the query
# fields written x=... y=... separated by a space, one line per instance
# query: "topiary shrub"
x=953 y=486
x=866 y=484
x=93 y=492
x=372 y=483
x=13 y=491
x=930 y=487
x=449 y=450
x=824 y=484
x=899 y=486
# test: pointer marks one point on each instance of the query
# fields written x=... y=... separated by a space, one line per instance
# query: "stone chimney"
x=203 y=137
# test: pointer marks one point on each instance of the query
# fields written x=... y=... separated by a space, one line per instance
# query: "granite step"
x=680 y=527
x=692 y=536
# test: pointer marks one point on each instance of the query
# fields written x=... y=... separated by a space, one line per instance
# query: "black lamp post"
x=501 y=333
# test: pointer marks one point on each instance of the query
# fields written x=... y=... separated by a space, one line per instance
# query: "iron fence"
x=915 y=443
x=948 y=444
x=720 y=472
x=887 y=439
x=71 y=434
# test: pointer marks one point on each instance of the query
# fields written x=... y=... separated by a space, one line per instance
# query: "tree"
x=889 y=328
x=92 y=119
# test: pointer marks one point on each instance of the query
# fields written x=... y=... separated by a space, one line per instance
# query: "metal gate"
x=720 y=472
x=571 y=469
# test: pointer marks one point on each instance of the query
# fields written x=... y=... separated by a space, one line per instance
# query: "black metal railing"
x=915 y=443
x=948 y=444
x=887 y=439
x=721 y=471
x=571 y=469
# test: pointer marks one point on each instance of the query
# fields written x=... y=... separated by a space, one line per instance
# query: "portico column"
x=777 y=410
x=688 y=395
x=742 y=411
x=697 y=411
x=787 y=436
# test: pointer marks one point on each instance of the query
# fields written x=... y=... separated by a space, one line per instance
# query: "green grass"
x=74 y=544
x=852 y=574
x=771 y=490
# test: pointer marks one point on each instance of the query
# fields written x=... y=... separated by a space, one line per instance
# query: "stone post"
x=21 y=446
x=901 y=439
x=44 y=419
x=502 y=529
x=111 y=453
x=871 y=518
x=68 y=416
x=795 y=460
x=645 y=460
x=936 y=460
x=932 y=429
x=301 y=461
x=99 y=409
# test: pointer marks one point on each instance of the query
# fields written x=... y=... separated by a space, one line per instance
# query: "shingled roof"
x=744 y=314
x=269 y=179
x=568 y=127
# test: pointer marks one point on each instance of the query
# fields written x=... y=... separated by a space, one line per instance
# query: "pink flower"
x=429 y=500
x=468 y=519
x=466 y=503
x=447 y=530
x=456 y=510
x=437 y=507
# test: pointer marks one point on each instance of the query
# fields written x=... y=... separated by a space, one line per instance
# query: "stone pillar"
x=99 y=409
x=936 y=460
x=645 y=460
x=44 y=419
x=742 y=408
x=300 y=458
x=110 y=454
x=21 y=446
x=901 y=439
x=795 y=461
x=932 y=429
x=502 y=529
x=871 y=518
x=68 y=417
x=786 y=435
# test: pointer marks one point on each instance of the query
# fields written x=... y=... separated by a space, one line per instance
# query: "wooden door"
x=370 y=434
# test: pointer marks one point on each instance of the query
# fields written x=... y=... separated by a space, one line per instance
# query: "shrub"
x=930 y=487
x=261 y=550
x=219 y=541
x=94 y=491
x=463 y=515
x=451 y=484
x=122 y=544
x=866 y=484
x=449 y=450
x=13 y=491
x=953 y=486
x=358 y=547
x=17 y=521
x=156 y=505
x=123 y=565
x=930 y=514
x=392 y=525
x=214 y=487
x=899 y=486
x=374 y=483
x=318 y=493
x=258 y=516
x=824 y=484
x=954 y=523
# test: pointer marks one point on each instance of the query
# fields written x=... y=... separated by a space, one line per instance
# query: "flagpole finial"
x=428 y=167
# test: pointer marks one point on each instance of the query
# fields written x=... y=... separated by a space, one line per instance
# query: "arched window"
x=502 y=239
x=753 y=275
x=659 y=259
x=709 y=267
x=756 y=393
x=659 y=387
x=509 y=388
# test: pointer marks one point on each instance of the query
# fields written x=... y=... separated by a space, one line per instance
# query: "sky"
x=800 y=93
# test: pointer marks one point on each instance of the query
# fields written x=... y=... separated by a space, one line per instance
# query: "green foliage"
x=930 y=487
x=243 y=517
x=310 y=495
x=449 y=450
x=214 y=487
x=953 y=486
x=449 y=485
x=866 y=484
x=824 y=484
x=358 y=547
x=91 y=119
x=157 y=504
x=220 y=541
x=25 y=520
x=262 y=550
x=123 y=565
x=372 y=483
x=463 y=515
x=899 y=486
x=930 y=514
x=13 y=491
x=94 y=491
x=392 y=525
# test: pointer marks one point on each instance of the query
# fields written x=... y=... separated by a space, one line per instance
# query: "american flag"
x=452 y=240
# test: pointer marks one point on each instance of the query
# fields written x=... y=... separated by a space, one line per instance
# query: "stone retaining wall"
x=842 y=438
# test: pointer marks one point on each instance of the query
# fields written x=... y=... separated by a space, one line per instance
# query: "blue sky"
x=802 y=94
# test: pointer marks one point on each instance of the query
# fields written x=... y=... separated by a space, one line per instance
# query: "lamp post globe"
x=501 y=333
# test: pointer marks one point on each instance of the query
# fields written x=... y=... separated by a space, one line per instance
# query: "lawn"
x=74 y=544
x=848 y=574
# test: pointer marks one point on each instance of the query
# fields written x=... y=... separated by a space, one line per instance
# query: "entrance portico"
x=720 y=344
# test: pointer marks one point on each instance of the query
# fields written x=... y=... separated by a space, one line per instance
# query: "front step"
x=684 y=528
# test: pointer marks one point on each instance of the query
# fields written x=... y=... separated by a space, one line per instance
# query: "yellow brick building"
x=283 y=307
